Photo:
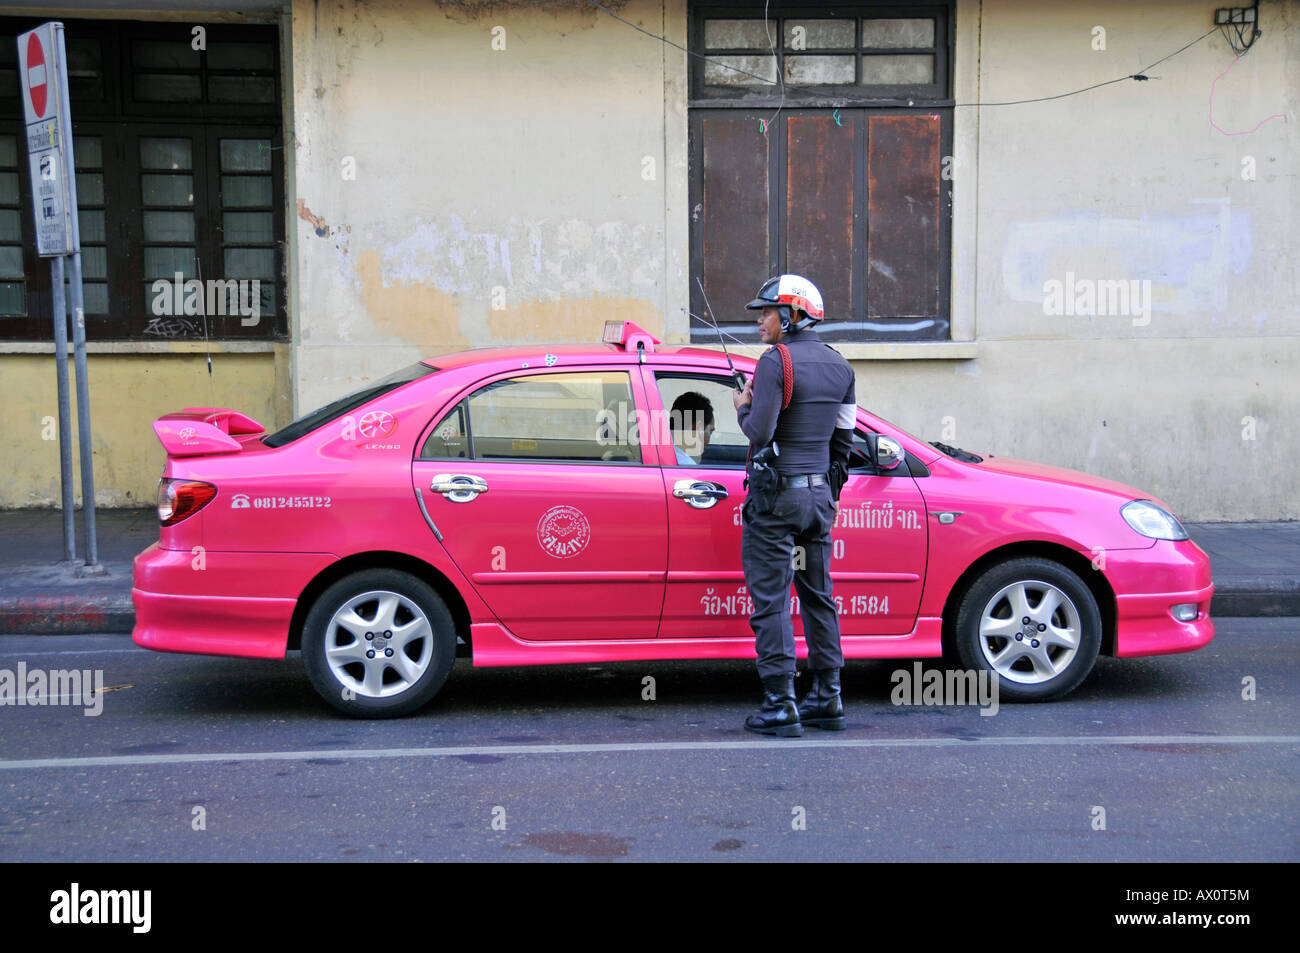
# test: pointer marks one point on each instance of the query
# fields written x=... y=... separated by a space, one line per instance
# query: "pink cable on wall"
x=1244 y=132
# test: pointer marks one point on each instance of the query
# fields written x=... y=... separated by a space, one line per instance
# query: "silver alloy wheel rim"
x=394 y=623
x=1007 y=639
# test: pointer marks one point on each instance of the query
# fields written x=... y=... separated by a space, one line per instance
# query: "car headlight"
x=1152 y=521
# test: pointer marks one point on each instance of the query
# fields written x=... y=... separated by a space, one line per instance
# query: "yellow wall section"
x=128 y=392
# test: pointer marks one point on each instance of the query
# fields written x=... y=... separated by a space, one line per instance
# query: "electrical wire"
x=778 y=63
x=1139 y=76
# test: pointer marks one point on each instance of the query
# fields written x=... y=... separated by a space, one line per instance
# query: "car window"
x=860 y=460
x=586 y=416
x=345 y=405
x=701 y=420
x=450 y=438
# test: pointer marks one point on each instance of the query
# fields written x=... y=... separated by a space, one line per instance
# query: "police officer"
x=786 y=531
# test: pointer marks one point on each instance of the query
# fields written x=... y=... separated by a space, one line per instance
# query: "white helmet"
x=789 y=293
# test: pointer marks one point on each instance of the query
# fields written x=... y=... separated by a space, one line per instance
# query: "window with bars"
x=88 y=153
x=817 y=137
x=179 y=171
x=861 y=52
x=13 y=287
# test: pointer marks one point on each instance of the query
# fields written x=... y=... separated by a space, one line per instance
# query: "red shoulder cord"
x=787 y=376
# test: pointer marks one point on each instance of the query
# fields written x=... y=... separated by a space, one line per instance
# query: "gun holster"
x=763 y=482
x=838 y=476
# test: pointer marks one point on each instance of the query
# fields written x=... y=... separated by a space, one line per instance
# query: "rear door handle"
x=459 y=487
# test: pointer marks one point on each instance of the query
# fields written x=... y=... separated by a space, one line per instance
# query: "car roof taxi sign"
x=628 y=335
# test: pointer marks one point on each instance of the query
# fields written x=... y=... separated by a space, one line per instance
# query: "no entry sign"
x=38 y=86
x=42 y=71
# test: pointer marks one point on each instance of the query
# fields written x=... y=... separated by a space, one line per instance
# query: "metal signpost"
x=43 y=72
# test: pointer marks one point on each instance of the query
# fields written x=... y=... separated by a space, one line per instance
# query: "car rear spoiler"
x=197 y=431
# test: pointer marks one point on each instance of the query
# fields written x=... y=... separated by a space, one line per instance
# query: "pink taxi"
x=534 y=505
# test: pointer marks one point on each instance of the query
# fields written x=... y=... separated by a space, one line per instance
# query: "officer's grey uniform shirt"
x=822 y=409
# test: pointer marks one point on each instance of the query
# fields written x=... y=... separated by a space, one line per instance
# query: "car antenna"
x=207 y=346
x=736 y=375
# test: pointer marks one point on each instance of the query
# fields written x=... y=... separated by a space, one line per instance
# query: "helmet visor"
x=766 y=296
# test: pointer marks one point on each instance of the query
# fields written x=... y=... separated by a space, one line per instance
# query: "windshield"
x=344 y=405
x=955 y=452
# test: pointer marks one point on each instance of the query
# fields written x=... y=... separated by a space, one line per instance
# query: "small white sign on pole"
x=44 y=77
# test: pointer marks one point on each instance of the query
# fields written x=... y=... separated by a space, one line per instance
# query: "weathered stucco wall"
x=449 y=194
x=128 y=392
x=1193 y=399
x=452 y=194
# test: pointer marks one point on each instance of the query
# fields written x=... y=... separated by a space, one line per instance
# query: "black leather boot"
x=778 y=714
x=822 y=707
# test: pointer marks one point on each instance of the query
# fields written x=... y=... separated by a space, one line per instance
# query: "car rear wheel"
x=1034 y=623
x=378 y=644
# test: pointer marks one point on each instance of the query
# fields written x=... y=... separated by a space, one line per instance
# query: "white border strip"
x=360 y=754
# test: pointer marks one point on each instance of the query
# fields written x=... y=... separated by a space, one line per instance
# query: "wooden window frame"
x=121 y=121
x=852 y=105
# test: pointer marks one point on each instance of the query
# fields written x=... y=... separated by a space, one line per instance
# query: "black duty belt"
x=803 y=479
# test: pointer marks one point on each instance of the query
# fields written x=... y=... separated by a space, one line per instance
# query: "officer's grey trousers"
x=801 y=517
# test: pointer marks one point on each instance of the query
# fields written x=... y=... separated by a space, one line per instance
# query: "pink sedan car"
x=528 y=506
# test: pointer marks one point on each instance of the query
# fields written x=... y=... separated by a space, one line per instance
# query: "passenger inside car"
x=691 y=423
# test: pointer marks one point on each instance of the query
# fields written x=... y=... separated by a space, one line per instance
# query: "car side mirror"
x=889 y=453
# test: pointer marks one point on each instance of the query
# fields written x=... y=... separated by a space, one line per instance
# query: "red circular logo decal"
x=377 y=424
x=563 y=532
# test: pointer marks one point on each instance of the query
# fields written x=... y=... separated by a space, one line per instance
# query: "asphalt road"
x=571 y=763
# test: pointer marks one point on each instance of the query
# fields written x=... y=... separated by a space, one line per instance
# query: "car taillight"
x=178 y=499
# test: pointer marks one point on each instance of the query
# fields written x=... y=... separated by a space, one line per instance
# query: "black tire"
x=1021 y=679
x=384 y=686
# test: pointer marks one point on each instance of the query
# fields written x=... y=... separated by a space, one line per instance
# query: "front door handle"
x=459 y=487
x=700 y=494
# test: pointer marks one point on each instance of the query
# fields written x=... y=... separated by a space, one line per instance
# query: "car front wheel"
x=378 y=644
x=1035 y=623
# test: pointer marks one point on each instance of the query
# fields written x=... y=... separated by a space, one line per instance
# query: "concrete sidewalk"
x=1256 y=570
x=39 y=595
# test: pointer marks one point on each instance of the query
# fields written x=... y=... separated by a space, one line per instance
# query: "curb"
x=1264 y=600
x=66 y=615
